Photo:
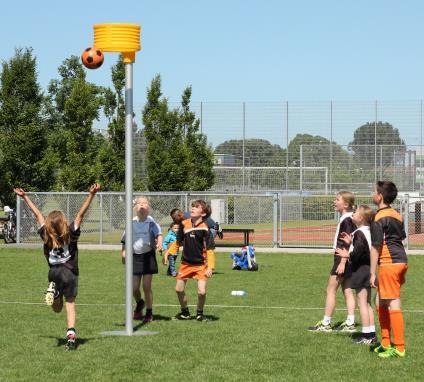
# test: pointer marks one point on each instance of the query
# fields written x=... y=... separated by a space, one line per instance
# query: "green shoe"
x=392 y=353
x=381 y=349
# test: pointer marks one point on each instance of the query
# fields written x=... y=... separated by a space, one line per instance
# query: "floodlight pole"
x=128 y=197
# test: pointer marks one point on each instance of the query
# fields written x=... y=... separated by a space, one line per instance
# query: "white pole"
x=128 y=197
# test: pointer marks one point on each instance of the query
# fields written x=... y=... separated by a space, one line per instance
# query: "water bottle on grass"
x=238 y=293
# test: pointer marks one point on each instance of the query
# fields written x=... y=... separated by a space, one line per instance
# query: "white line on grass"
x=211 y=306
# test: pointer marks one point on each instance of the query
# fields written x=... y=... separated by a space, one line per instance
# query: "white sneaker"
x=50 y=294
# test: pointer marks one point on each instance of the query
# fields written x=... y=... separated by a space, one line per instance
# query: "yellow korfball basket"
x=122 y=38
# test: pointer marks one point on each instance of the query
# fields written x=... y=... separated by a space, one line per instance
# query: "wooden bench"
x=246 y=237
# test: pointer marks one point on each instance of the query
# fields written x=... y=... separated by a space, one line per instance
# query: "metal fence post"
x=101 y=218
x=275 y=220
x=406 y=218
x=18 y=219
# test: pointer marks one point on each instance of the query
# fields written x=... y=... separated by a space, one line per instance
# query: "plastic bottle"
x=238 y=293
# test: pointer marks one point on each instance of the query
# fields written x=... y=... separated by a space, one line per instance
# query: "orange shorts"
x=390 y=279
x=197 y=272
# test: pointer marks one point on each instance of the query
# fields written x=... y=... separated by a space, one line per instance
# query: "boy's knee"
x=201 y=293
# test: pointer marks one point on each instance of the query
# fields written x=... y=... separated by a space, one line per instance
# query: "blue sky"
x=234 y=50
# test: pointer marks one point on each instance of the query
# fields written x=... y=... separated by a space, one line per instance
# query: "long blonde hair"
x=349 y=198
x=56 y=231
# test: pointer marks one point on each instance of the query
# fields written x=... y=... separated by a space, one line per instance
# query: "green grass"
x=259 y=337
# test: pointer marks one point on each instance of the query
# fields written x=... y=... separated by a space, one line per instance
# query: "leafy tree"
x=200 y=174
x=111 y=159
x=381 y=136
x=73 y=106
x=25 y=160
x=315 y=152
x=167 y=160
x=257 y=152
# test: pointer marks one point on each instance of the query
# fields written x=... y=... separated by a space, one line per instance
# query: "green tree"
x=167 y=160
x=200 y=174
x=74 y=104
x=111 y=158
x=177 y=155
x=257 y=152
x=377 y=144
x=25 y=160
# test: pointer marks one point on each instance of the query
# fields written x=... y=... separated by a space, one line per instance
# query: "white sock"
x=326 y=320
x=366 y=329
x=372 y=329
x=350 y=320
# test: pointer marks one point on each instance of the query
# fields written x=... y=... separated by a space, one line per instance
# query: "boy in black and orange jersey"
x=198 y=258
x=387 y=233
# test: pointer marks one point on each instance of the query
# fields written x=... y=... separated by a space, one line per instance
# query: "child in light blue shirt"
x=171 y=259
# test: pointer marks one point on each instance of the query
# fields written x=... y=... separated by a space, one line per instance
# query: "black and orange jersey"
x=197 y=242
x=387 y=233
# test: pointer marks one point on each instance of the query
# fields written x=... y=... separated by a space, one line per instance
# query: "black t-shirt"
x=66 y=254
x=361 y=250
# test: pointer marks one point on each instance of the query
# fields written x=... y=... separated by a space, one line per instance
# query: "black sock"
x=149 y=312
x=370 y=335
x=200 y=312
x=185 y=311
x=139 y=305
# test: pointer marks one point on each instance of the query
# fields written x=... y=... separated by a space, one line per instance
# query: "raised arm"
x=80 y=215
x=37 y=213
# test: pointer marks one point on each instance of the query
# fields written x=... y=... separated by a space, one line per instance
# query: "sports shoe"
x=182 y=316
x=200 y=317
x=138 y=311
x=148 y=318
x=344 y=327
x=392 y=352
x=320 y=327
x=51 y=294
x=381 y=349
x=71 y=342
x=365 y=340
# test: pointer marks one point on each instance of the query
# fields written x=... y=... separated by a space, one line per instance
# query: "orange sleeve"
x=174 y=247
x=210 y=255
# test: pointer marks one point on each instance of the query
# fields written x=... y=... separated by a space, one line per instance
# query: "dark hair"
x=206 y=208
x=388 y=190
x=172 y=224
x=177 y=215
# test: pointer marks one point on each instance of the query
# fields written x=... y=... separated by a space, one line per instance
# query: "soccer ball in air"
x=92 y=58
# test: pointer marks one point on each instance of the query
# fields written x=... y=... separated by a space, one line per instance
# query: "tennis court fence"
x=278 y=219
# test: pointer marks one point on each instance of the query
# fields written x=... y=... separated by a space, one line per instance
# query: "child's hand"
x=165 y=258
x=346 y=237
x=94 y=188
x=373 y=283
x=209 y=272
x=340 y=269
x=342 y=252
x=19 y=191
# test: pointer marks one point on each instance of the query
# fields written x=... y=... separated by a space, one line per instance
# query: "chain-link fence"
x=278 y=219
x=275 y=146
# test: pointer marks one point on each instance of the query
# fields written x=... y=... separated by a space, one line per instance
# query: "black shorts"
x=145 y=263
x=66 y=281
x=336 y=263
x=360 y=278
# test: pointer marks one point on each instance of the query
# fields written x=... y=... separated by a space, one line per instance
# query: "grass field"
x=259 y=337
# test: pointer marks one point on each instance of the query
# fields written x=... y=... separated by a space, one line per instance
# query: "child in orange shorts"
x=388 y=257
x=197 y=260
